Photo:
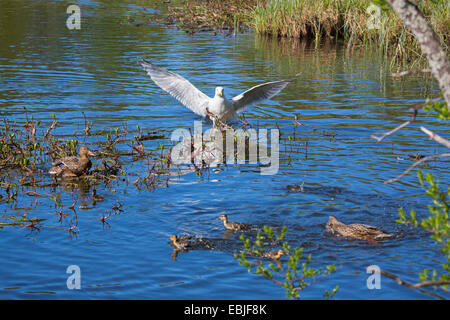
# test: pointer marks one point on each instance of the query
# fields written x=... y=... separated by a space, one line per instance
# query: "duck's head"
x=173 y=237
x=84 y=152
x=280 y=252
x=219 y=92
x=223 y=217
x=332 y=221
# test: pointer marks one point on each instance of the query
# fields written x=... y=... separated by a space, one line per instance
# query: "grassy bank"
x=215 y=15
x=356 y=22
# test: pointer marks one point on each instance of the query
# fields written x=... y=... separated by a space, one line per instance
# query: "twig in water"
x=61 y=215
x=73 y=205
x=87 y=126
x=54 y=123
x=103 y=218
x=32 y=225
x=71 y=230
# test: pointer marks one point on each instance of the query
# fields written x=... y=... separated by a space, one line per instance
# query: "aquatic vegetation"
x=296 y=276
x=27 y=151
x=358 y=22
x=211 y=15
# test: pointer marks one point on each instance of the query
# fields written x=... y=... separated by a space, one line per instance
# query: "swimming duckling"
x=356 y=231
x=97 y=197
x=180 y=243
x=273 y=255
x=233 y=225
x=73 y=166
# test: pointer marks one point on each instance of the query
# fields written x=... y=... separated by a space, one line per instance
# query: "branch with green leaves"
x=295 y=276
x=438 y=224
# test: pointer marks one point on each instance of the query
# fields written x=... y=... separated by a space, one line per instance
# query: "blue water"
x=341 y=98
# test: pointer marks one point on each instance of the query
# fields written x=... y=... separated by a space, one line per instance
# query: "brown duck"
x=233 y=225
x=180 y=243
x=356 y=230
x=73 y=166
x=273 y=255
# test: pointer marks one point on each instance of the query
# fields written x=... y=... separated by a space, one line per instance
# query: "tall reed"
x=357 y=22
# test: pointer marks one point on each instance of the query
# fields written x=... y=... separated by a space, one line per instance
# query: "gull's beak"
x=220 y=93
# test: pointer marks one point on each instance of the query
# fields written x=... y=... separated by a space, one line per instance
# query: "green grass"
x=349 y=20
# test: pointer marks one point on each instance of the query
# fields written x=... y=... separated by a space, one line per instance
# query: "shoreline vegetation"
x=361 y=23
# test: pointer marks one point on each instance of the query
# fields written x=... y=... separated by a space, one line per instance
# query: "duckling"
x=97 y=197
x=180 y=243
x=356 y=231
x=273 y=255
x=73 y=166
x=233 y=225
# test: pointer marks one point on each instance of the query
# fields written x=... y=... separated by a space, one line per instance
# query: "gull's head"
x=219 y=91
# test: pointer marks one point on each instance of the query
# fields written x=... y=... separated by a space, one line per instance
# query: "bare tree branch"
x=416 y=285
x=384 y=135
x=407 y=72
x=413 y=117
x=447 y=154
x=436 y=137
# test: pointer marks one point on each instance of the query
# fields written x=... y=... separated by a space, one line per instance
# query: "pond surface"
x=340 y=99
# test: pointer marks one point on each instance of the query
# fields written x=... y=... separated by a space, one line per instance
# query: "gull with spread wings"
x=222 y=108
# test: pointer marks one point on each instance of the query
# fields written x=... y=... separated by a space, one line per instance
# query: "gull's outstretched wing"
x=259 y=93
x=180 y=88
